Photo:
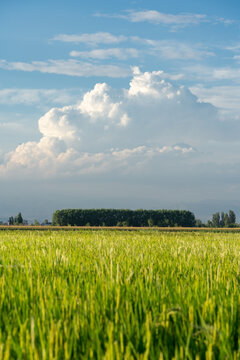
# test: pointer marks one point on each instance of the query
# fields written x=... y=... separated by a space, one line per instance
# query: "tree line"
x=16 y=220
x=121 y=217
x=223 y=220
x=136 y=218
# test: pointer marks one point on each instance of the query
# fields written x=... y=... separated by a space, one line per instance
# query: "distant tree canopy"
x=119 y=217
x=223 y=220
x=17 y=220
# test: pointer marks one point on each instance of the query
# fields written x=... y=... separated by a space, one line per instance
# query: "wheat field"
x=119 y=295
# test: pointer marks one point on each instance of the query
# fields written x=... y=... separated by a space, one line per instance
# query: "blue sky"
x=131 y=104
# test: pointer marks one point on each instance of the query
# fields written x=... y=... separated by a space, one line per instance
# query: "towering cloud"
x=111 y=129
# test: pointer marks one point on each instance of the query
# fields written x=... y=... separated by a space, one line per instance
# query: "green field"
x=119 y=295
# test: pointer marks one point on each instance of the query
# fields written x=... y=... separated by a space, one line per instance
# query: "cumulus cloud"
x=91 y=39
x=119 y=130
x=68 y=67
x=50 y=157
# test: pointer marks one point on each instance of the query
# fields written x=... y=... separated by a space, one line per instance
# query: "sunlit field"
x=119 y=295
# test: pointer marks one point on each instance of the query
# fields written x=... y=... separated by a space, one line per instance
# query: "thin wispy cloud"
x=102 y=54
x=157 y=17
x=237 y=57
x=173 y=49
x=91 y=39
x=37 y=96
x=174 y=21
x=234 y=48
x=206 y=73
x=70 y=67
x=224 y=21
x=223 y=97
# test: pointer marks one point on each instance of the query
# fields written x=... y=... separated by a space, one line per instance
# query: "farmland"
x=119 y=295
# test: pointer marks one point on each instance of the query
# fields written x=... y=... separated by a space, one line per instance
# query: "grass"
x=119 y=295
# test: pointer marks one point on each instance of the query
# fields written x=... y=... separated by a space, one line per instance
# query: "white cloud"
x=50 y=157
x=226 y=73
x=67 y=67
x=168 y=49
x=176 y=50
x=55 y=123
x=175 y=21
x=101 y=54
x=98 y=104
x=122 y=131
x=224 y=21
x=171 y=49
x=91 y=39
x=237 y=57
x=184 y=149
x=36 y=96
x=225 y=98
x=152 y=84
x=74 y=124
x=157 y=17
x=208 y=73
x=234 y=48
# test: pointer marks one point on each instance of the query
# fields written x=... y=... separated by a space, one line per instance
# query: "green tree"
x=226 y=220
x=11 y=220
x=209 y=223
x=222 y=219
x=198 y=223
x=18 y=220
x=232 y=218
x=150 y=222
x=216 y=220
x=111 y=217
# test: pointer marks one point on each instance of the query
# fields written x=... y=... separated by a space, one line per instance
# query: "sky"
x=128 y=104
